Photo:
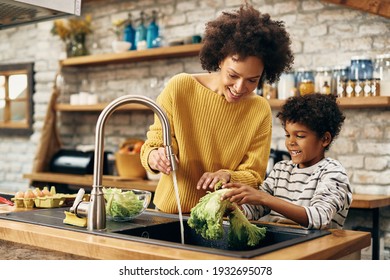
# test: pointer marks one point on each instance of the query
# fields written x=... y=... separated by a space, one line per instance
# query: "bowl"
x=128 y=160
x=120 y=46
x=125 y=205
x=129 y=166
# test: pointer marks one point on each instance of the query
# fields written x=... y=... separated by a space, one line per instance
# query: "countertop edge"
x=338 y=244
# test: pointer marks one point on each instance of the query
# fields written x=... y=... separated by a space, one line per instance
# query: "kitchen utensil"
x=6 y=201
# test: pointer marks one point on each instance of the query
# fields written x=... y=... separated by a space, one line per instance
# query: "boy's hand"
x=242 y=194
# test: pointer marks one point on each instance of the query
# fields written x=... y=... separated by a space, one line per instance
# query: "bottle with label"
x=325 y=89
x=152 y=32
x=129 y=32
x=140 y=32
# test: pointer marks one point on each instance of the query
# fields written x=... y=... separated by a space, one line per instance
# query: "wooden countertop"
x=339 y=244
x=369 y=201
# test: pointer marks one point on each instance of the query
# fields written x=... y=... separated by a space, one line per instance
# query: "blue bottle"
x=129 y=33
x=140 y=32
x=152 y=32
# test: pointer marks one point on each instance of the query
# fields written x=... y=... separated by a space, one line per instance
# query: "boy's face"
x=303 y=144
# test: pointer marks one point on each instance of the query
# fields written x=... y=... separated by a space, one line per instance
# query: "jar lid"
x=361 y=57
x=322 y=69
x=381 y=56
x=341 y=67
x=303 y=69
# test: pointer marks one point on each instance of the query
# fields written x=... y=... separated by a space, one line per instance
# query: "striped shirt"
x=322 y=189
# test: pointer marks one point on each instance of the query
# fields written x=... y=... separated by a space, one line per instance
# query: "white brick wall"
x=322 y=35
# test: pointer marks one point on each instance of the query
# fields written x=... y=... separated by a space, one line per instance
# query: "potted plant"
x=73 y=33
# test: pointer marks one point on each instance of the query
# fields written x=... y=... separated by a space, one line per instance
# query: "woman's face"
x=239 y=77
x=303 y=144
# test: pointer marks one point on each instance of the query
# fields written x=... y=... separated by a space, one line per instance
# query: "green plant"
x=68 y=29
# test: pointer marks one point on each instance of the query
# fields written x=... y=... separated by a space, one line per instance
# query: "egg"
x=29 y=194
x=46 y=192
x=37 y=192
x=19 y=194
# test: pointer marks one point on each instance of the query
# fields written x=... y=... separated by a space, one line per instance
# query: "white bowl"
x=120 y=46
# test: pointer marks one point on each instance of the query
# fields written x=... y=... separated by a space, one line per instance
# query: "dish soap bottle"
x=129 y=32
x=140 y=32
x=152 y=32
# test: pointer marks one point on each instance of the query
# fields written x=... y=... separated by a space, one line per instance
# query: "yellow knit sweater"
x=208 y=134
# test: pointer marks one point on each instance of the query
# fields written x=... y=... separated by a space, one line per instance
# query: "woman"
x=221 y=129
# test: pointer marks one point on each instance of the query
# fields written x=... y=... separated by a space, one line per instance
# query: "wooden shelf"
x=348 y=102
x=133 y=56
x=62 y=107
x=87 y=180
x=378 y=7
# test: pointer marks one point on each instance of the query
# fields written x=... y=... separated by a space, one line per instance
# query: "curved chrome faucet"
x=96 y=210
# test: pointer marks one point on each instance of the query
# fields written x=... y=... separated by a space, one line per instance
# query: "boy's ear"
x=326 y=139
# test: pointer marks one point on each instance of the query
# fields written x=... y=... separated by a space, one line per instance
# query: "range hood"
x=17 y=12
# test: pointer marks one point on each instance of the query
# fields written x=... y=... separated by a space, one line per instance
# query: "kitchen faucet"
x=95 y=209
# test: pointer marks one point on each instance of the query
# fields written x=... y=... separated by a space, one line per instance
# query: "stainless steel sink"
x=164 y=229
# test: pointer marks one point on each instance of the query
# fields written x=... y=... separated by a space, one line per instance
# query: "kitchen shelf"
x=133 y=56
x=348 y=102
x=87 y=180
x=345 y=102
x=62 y=107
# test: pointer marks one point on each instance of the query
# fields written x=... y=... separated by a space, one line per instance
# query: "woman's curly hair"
x=247 y=32
x=319 y=112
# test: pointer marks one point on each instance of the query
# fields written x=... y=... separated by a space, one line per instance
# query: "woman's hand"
x=209 y=179
x=159 y=161
x=243 y=194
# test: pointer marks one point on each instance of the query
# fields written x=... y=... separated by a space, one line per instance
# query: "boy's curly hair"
x=319 y=112
x=247 y=32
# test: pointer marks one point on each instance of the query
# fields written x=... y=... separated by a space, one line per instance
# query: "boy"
x=310 y=189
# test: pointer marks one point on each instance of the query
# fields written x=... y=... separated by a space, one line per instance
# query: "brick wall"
x=322 y=34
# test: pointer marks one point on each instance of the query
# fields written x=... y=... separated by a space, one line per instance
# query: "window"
x=16 y=103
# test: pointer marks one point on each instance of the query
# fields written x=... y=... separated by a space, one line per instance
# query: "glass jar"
x=269 y=90
x=382 y=72
x=306 y=86
x=304 y=74
x=340 y=77
x=361 y=68
x=322 y=80
x=286 y=85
